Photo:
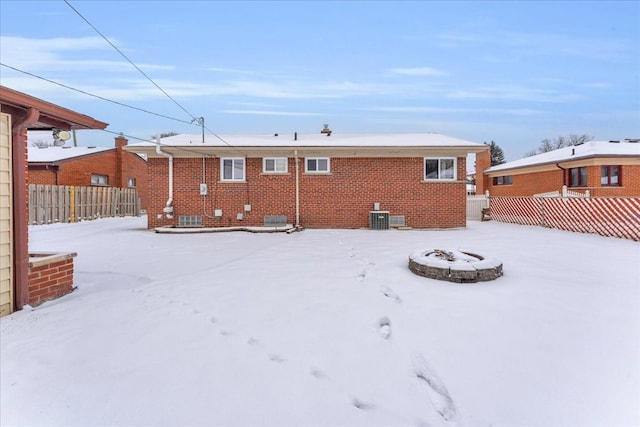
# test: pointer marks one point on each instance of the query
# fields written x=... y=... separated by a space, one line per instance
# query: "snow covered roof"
x=55 y=154
x=587 y=150
x=315 y=139
x=335 y=143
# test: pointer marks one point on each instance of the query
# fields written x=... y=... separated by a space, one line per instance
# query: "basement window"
x=99 y=179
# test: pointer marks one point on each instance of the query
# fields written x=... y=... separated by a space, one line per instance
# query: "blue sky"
x=512 y=72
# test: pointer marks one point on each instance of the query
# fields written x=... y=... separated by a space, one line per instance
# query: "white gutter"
x=297 y=191
x=168 y=209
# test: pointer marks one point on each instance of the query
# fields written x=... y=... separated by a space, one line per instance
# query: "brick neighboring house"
x=20 y=113
x=89 y=166
x=323 y=180
x=605 y=168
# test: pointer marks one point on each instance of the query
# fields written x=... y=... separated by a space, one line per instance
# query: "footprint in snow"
x=362 y=275
x=436 y=390
x=276 y=358
x=361 y=405
x=317 y=373
x=384 y=327
x=391 y=295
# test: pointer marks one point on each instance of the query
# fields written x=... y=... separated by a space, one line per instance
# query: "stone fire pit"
x=454 y=266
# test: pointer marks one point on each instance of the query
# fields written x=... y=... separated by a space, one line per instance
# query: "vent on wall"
x=189 y=221
x=379 y=220
x=396 y=221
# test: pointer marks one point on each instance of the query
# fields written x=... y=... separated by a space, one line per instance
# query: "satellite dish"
x=60 y=136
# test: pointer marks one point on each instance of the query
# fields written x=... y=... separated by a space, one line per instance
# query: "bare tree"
x=165 y=134
x=547 y=145
x=41 y=143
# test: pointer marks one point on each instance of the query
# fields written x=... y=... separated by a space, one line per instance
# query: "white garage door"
x=6 y=230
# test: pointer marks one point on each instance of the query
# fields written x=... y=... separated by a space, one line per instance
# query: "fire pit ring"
x=454 y=266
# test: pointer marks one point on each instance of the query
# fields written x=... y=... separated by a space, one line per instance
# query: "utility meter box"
x=203 y=189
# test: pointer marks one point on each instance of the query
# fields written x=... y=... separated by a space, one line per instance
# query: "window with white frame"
x=317 y=165
x=274 y=165
x=99 y=179
x=440 y=168
x=131 y=182
x=232 y=169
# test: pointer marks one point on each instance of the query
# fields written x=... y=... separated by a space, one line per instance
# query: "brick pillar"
x=121 y=141
x=483 y=162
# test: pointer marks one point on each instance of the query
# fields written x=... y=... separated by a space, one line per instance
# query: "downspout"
x=168 y=209
x=297 y=191
x=564 y=174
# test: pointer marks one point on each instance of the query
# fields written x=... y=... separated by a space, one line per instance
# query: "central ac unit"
x=379 y=220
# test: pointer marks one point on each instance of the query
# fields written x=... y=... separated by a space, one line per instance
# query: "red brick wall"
x=78 y=171
x=42 y=176
x=542 y=182
x=50 y=281
x=342 y=199
x=483 y=161
x=528 y=184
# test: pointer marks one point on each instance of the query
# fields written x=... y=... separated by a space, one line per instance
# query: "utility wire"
x=199 y=120
x=95 y=96
x=192 y=122
x=130 y=61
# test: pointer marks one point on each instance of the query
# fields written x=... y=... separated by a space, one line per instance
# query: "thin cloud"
x=418 y=71
x=519 y=93
x=440 y=110
x=35 y=55
x=270 y=113
x=523 y=44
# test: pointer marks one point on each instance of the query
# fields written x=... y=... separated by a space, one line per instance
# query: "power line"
x=199 y=120
x=130 y=61
x=94 y=96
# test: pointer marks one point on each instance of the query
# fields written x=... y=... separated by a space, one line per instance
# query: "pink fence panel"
x=606 y=216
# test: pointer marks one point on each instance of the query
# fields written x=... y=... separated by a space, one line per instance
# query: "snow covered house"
x=21 y=278
x=89 y=166
x=323 y=180
x=604 y=168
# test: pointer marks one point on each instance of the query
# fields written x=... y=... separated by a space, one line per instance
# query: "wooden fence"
x=606 y=216
x=62 y=203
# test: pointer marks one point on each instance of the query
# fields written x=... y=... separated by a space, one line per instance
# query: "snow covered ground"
x=326 y=328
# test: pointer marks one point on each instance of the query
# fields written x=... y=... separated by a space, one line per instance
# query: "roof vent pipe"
x=295 y=136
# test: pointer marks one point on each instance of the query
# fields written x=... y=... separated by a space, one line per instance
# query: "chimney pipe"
x=295 y=136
